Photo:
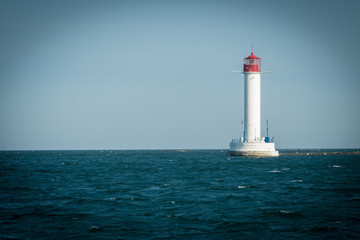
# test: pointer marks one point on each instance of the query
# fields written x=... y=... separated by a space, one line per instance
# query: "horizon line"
x=163 y=149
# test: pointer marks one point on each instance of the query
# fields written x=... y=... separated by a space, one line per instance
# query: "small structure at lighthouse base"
x=252 y=149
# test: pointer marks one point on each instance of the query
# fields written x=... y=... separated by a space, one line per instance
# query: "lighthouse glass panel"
x=252 y=65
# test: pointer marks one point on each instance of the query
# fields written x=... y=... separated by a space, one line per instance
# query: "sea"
x=197 y=194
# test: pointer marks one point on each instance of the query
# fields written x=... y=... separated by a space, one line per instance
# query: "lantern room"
x=252 y=63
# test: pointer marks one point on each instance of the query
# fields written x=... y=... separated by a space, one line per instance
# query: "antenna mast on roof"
x=252 y=48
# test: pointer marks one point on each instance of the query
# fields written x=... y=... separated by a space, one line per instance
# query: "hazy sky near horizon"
x=158 y=74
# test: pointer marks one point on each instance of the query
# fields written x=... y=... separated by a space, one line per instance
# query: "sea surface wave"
x=198 y=194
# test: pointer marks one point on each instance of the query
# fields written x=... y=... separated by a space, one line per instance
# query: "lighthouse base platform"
x=252 y=149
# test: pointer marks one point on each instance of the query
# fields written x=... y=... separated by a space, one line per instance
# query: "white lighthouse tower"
x=252 y=144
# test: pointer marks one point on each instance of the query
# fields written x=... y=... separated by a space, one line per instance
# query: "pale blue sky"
x=158 y=74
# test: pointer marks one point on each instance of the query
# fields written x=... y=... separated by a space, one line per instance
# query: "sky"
x=159 y=74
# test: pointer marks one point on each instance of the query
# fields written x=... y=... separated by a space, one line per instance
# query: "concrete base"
x=253 y=149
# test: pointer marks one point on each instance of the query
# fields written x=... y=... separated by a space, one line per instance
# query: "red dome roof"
x=252 y=56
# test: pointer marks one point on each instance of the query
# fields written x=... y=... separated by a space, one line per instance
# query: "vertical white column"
x=252 y=88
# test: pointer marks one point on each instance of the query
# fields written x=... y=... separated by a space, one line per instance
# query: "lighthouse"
x=251 y=143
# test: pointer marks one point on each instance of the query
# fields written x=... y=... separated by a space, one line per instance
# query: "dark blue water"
x=181 y=195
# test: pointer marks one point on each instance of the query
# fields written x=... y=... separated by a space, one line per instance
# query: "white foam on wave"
x=297 y=180
x=243 y=187
x=336 y=166
x=94 y=228
x=286 y=212
x=275 y=170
